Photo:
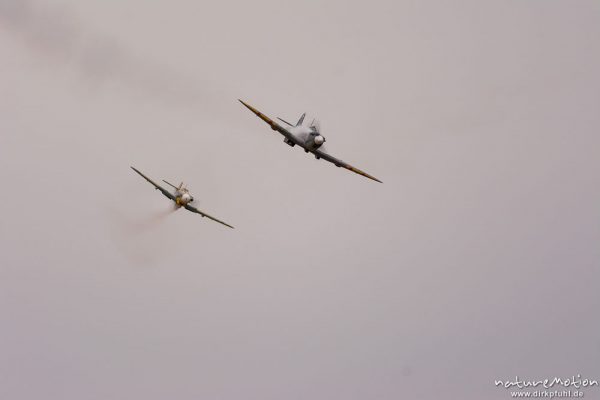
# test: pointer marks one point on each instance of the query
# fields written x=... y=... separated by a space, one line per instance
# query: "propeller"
x=316 y=126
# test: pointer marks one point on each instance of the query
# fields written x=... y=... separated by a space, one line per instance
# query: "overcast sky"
x=477 y=259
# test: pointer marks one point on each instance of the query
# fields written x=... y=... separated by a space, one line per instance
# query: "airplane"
x=307 y=137
x=181 y=197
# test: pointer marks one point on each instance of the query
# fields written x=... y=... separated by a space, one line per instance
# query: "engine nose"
x=319 y=140
x=186 y=198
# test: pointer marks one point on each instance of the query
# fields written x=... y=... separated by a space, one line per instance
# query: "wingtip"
x=249 y=107
x=373 y=178
x=359 y=172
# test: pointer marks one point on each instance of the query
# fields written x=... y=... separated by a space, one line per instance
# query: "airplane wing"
x=274 y=125
x=163 y=191
x=195 y=210
x=340 y=163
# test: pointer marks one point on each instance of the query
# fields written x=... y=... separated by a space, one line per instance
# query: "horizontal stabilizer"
x=170 y=184
x=284 y=121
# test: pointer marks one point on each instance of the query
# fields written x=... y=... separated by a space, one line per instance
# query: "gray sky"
x=477 y=259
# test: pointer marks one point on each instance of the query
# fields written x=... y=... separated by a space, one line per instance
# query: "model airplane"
x=307 y=137
x=181 y=197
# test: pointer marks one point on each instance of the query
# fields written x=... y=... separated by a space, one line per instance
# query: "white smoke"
x=54 y=32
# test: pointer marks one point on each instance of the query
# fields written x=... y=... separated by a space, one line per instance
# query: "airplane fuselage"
x=309 y=136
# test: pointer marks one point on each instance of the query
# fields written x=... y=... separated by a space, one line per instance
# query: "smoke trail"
x=152 y=222
x=132 y=236
x=55 y=33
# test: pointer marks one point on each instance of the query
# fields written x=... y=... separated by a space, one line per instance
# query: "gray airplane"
x=307 y=137
x=181 y=197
